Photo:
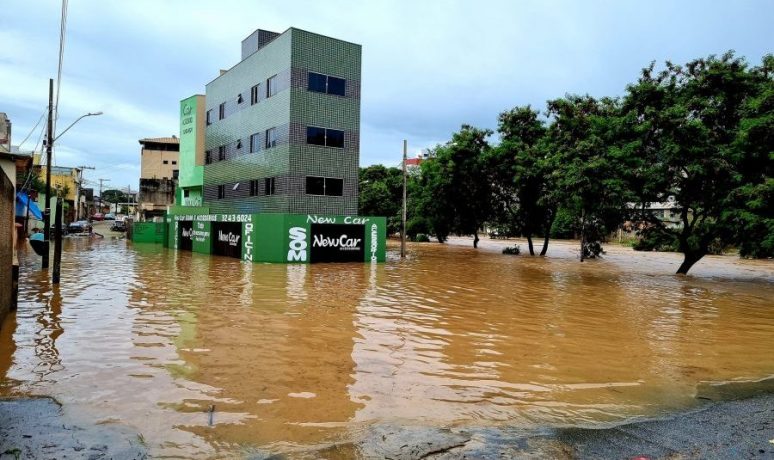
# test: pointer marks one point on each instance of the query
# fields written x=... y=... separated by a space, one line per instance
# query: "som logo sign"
x=297 y=246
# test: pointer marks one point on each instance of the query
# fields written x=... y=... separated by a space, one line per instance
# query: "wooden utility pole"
x=403 y=225
x=100 y=192
x=57 y=242
x=49 y=144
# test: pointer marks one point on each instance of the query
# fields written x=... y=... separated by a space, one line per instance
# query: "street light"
x=76 y=121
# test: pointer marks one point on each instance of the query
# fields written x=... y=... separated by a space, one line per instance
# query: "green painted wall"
x=148 y=232
x=278 y=238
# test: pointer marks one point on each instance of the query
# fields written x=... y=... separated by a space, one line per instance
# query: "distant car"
x=118 y=226
x=98 y=216
x=79 y=226
x=110 y=216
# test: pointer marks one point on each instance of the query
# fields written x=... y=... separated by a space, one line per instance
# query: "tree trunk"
x=547 y=231
x=529 y=243
x=475 y=240
x=583 y=234
x=690 y=259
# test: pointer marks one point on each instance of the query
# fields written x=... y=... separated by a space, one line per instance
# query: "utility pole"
x=80 y=187
x=49 y=143
x=403 y=226
x=100 y=192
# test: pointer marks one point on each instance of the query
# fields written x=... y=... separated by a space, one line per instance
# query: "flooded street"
x=295 y=358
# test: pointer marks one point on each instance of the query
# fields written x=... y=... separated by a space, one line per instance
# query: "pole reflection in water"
x=297 y=357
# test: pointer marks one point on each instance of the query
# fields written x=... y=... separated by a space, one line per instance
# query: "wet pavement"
x=453 y=347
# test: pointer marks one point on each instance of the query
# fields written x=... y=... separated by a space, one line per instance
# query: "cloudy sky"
x=428 y=66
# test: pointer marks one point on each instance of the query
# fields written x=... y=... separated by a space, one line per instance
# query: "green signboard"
x=280 y=238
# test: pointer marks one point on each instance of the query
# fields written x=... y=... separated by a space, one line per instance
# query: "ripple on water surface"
x=295 y=355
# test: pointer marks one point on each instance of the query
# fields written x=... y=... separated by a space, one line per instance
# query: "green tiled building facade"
x=283 y=127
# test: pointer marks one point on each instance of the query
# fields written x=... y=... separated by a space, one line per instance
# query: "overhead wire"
x=32 y=130
x=62 y=36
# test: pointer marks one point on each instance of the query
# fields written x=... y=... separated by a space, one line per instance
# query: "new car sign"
x=337 y=243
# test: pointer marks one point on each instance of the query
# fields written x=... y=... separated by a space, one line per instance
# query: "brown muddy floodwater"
x=295 y=358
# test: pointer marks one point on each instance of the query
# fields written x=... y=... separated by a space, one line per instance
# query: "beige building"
x=159 y=167
x=159 y=158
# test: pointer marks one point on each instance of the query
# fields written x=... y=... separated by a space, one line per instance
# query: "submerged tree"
x=588 y=179
x=683 y=123
x=520 y=176
x=456 y=195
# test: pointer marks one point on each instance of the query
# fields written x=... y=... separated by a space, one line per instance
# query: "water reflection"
x=293 y=356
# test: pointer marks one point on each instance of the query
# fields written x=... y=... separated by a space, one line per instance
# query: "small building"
x=159 y=170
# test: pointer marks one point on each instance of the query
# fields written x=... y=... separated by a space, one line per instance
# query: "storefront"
x=280 y=238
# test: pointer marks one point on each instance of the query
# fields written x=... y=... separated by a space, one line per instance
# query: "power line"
x=62 y=36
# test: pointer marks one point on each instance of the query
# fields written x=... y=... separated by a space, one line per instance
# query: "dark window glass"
x=209 y=117
x=315 y=136
x=268 y=186
x=337 y=86
x=221 y=192
x=254 y=187
x=334 y=138
x=334 y=187
x=207 y=157
x=165 y=162
x=271 y=137
x=254 y=143
x=239 y=98
x=254 y=95
x=174 y=162
x=222 y=111
x=175 y=173
x=221 y=153
x=316 y=82
x=271 y=86
x=315 y=185
x=186 y=193
x=239 y=143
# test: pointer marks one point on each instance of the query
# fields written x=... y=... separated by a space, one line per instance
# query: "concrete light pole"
x=403 y=220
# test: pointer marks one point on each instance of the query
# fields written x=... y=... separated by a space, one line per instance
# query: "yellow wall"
x=153 y=167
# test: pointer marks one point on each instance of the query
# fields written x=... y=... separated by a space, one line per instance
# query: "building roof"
x=161 y=140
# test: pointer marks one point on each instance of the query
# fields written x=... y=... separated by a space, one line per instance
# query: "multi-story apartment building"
x=283 y=127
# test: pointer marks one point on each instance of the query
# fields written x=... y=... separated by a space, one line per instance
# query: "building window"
x=239 y=98
x=222 y=111
x=317 y=82
x=186 y=193
x=165 y=162
x=271 y=137
x=239 y=143
x=254 y=142
x=221 y=153
x=254 y=95
x=221 y=192
x=327 y=186
x=254 y=187
x=334 y=138
x=320 y=83
x=326 y=137
x=337 y=86
x=271 y=86
x=208 y=157
x=268 y=186
x=174 y=162
x=175 y=173
x=209 y=117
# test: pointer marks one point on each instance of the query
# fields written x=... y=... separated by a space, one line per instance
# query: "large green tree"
x=381 y=194
x=587 y=174
x=519 y=171
x=685 y=126
x=456 y=191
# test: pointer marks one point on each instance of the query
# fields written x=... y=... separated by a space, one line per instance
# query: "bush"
x=656 y=241
x=512 y=250
x=421 y=238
